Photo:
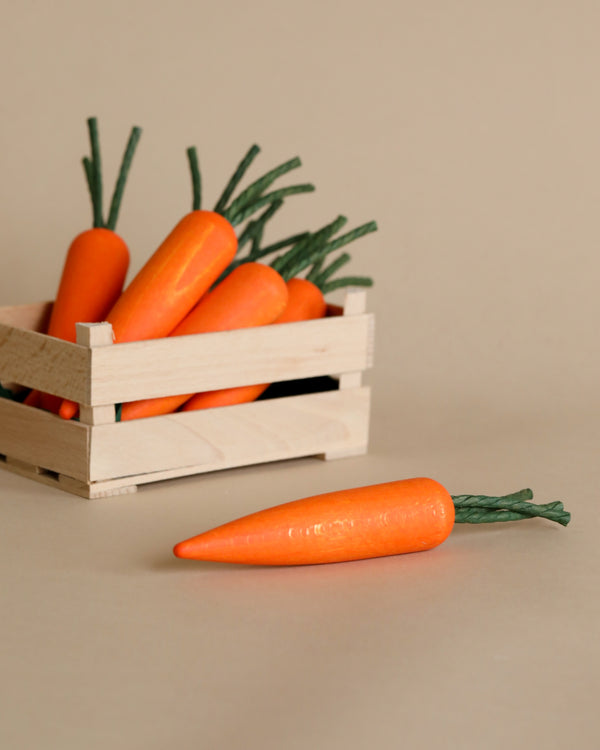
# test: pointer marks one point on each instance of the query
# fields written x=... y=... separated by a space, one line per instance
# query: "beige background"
x=469 y=130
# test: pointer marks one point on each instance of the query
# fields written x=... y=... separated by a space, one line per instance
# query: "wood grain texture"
x=98 y=457
x=41 y=439
x=43 y=362
x=34 y=317
x=191 y=442
x=268 y=354
x=93 y=335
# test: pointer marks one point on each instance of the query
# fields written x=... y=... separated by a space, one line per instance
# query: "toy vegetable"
x=252 y=294
x=97 y=260
x=306 y=301
x=191 y=258
x=409 y=515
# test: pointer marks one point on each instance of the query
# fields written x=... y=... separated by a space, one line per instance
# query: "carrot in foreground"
x=97 y=260
x=409 y=515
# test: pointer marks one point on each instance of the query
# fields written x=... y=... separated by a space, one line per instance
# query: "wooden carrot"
x=97 y=260
x=393 y=518
x=253 y=295
x=191 y=258
x=306 y=301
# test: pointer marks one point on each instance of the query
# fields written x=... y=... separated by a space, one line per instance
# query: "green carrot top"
x=93 y=172
x=306 y=252
x=252 y=198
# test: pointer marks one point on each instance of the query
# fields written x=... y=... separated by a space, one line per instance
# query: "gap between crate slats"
x=189 y=364
x=334 y=423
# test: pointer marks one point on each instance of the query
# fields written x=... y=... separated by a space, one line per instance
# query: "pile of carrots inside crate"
x=212 y=273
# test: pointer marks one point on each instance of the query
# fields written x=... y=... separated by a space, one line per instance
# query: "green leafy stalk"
x=343 y=281
x=255 y=227
x=355 y=234
x=253 y=191
x=514 y=507
x=96 y=171
x=318 y=276
x=250 y=208
x=235 y=179
x=192 y=156
x=89 y=176
x=281 y=244
x=258 y=253
x=117 y=196
x=307 y=250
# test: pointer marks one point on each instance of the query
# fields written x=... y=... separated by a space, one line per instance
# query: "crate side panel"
x=34 y=317
x=211 y=439
x=38 y=361
x=268 y=354
x=43 y=439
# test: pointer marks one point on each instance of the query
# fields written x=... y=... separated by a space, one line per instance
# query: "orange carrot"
x=96 y=263
x=306 y=301
x=181 y=270
x=192 y=257
x=252 y=295
x=410 y=515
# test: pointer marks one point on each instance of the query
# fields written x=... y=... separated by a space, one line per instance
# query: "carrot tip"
x=183 y=550
x=68 y=409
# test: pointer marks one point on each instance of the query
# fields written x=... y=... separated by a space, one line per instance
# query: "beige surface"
x=469 y=130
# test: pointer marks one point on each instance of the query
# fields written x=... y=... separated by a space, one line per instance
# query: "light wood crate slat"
x=33 y=317
x=98 y=457
x=219 y=438
x=44 y=440
x=43 y=362
x=266 y=354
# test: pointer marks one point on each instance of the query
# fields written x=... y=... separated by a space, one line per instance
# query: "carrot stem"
x=319 y=277
x=254 y=227
x=268 y=250
x=96 y=171
x=89 y=176
x=192 y=155
x=253 y=191
x=280 y=244
x=250 y=208
x=320 y=250
x=308 y=251
x=235 y=178
x=346 y=281
x=354 y=234
x=514 y=507
x=117 y=197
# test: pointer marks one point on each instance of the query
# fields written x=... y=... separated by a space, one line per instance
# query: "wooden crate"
x=97 y=456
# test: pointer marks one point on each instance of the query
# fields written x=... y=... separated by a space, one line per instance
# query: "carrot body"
x=409 y=515
x=181 y=270
x=305 y=302
x=92 y=279
x=252 y=295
